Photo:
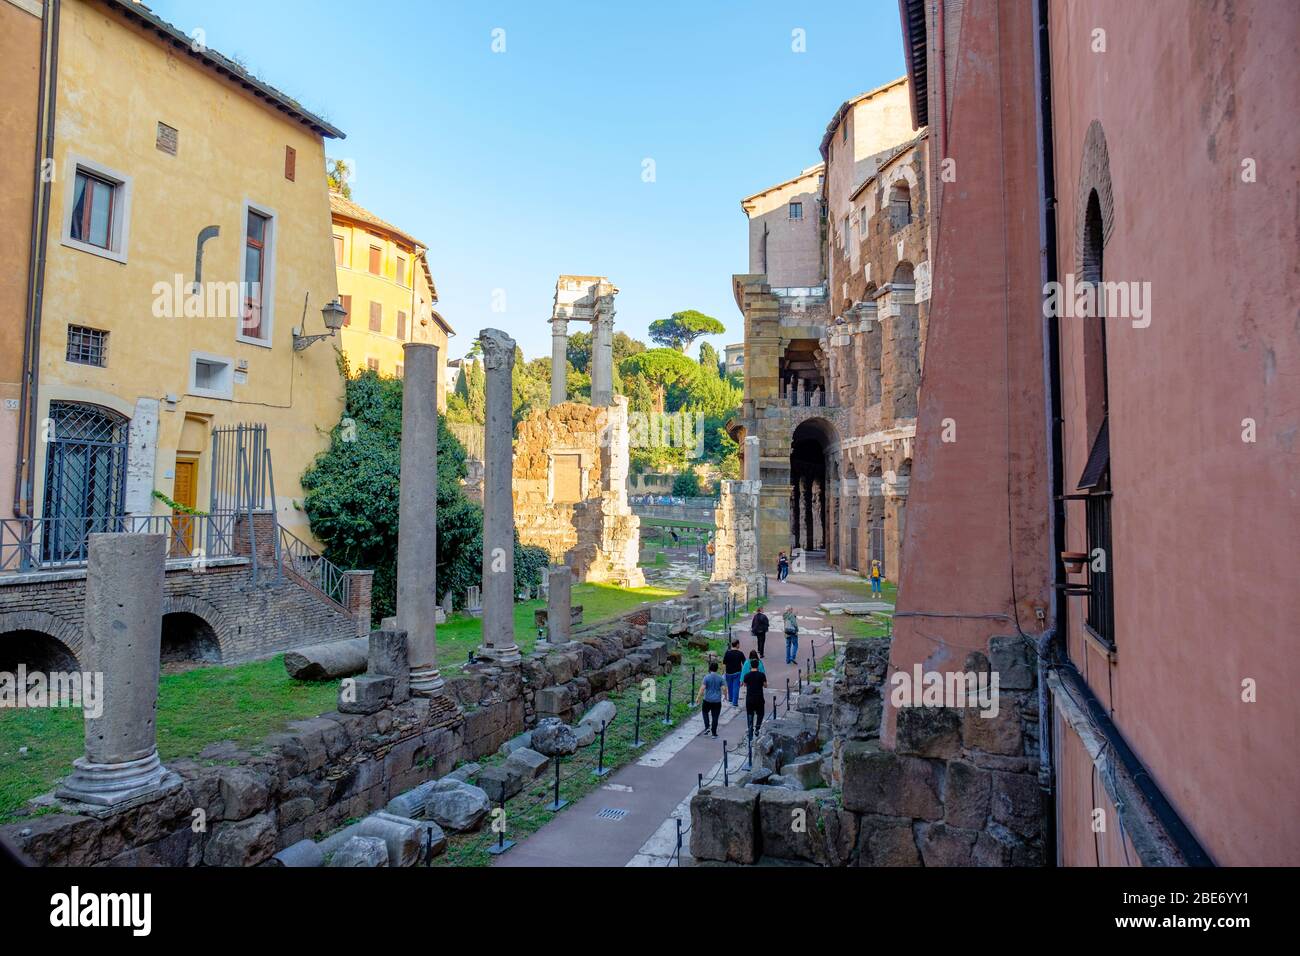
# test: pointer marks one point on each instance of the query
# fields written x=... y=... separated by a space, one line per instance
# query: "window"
x=401 y=324
x=863 y=221
x=844 y=132
x=290 y=163
x=92 y=210
x=1101 y=593
x=399 y=371
x=338 y=250
x=376 y=260
x=796 y=210
x=376 y=317
x=401 y=270
x=844 y=231
x=87 y=346
x=373 y=365
x=346 y=302
x=211 y=376
x=257 y=244
x=900 y=205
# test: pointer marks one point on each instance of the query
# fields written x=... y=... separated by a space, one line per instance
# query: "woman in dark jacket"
x=758 y=627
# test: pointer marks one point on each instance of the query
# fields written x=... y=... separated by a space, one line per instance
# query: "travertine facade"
x=832 y=368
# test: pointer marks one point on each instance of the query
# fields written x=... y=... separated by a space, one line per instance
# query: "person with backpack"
x=759 y=627
x=710 y=696
x=752 y=664
x=732 y=662
x=877 y=577
x=755 y=685
x=791 y=634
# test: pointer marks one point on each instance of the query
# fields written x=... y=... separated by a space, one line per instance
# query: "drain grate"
x=611 y=813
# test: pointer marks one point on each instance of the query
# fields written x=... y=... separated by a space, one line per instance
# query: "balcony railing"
x=46 y=544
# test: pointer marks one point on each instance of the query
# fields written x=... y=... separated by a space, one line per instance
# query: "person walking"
x=711 y=551
x=755 y=684
x=759 y=627
x=754 y=663
x=877 y=577
x=732 y=662
x=782 y=566
x=710 y=696
x=791 y=634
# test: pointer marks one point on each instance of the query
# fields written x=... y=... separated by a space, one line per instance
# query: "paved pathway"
x=656 y=789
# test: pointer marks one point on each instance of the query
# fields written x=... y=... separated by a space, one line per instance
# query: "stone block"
x=328 y=661
x=724 y=825
x=529 y=763
x=404 y=837
x=801 y=825
x=302 y=853
x=389 y=656
x=366 y=694
x=886 y=841
x=241 y=843
x=553 y=737
x=1016 y=803
x=556 y=701
x=1013 y=661
x=928 y=731
x=1000 y=734
x=604 y=711
x=516 y=743
x=241 y=792
x=889 y=784
x=966 y=794
x=942 y=845
x=787 y=738
x=365 y=851
x=461 y=807
x=805 y=770
x=501 y=782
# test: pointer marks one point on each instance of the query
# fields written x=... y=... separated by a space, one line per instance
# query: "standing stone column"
x=559 y=359
x=123 y=640
x=559 y=601
x=417 y=521
x=498 y=503
x=602 y=353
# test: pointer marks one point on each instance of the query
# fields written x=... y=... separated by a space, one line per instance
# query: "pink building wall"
x=1205 y=526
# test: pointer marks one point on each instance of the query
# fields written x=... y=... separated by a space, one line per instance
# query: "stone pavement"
x=656 y=789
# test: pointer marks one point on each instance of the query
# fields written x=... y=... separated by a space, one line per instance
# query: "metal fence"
x=301 y=559
x=25 y=543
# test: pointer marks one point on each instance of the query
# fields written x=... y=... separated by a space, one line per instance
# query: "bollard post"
x=557 y=804
x=699 y=781
x=679 y=841
x=668 y=707
x=726 y=769
x=787 y=693
x=601 y=769
x=502 y=843
x=636 y=733
x=749 y=752
x=800 y=678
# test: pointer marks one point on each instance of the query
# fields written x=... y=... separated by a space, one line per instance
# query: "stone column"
x=559 y=601
x=559 y=359
x=751 y=458
x=819 y=517
x=602 y=353
x=123 y=640
x=417 y=520
x=498 y=503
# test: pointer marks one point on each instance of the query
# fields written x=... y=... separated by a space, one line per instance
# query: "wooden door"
x=184 y=492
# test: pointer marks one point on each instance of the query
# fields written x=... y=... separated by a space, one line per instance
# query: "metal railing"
x=299 y=558
x=45 y=544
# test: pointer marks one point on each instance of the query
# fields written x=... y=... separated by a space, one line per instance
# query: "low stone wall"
x=309 y=779
x=958 y=789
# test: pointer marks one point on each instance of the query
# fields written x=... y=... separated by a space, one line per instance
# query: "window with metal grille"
x=87 y=346
x=1101 y=595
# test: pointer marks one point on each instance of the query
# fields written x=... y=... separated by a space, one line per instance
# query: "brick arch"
x=1094 y=176
x=60 y=629
x=188 y=604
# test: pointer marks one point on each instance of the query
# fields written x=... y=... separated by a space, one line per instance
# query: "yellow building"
x=187 y=250
x=387 y=290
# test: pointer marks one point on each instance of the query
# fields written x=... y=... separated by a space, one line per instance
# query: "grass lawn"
x=243 y=703
x=861 y=591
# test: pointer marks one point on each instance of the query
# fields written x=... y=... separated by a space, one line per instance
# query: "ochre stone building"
x=835 y=322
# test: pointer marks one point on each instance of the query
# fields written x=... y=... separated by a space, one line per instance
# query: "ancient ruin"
x=571 y=460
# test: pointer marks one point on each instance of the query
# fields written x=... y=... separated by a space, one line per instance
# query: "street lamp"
x=333 y=314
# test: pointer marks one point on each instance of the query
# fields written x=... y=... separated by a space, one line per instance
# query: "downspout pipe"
x=1047 y=647
x=25 y=460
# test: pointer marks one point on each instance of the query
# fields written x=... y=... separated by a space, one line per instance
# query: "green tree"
x=687 y=484
x=338 y=173
x=709 y=360
x=352 y=497
x=661 y=369
x=579 y=351
x=683 y=328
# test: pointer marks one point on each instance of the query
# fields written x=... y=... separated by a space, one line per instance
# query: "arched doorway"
x=37 y=650
x=810 y=447
x=188 y=639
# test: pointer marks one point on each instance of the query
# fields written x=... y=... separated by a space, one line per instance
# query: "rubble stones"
x=724 y=825
x=361 y=851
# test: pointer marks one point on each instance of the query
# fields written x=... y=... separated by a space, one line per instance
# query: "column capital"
x=498 y=349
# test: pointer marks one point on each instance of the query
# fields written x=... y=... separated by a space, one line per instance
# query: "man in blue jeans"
x=791 y=634
x=732 y=662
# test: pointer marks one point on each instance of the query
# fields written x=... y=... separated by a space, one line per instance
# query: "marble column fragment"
x=498 y=503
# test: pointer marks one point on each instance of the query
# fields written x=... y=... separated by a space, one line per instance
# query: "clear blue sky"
x=516 y=167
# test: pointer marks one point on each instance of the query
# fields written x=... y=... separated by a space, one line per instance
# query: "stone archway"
x=193 y=630
x=40 y=640
x=811 y=444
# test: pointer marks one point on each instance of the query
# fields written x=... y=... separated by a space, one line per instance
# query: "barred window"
x=87 y=346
